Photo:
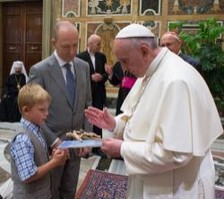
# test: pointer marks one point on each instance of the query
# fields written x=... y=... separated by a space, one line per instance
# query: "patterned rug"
x=102 y=185
x=219 y=194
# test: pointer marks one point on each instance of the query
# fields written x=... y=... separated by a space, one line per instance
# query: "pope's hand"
x=112 y=147
x=101 y=118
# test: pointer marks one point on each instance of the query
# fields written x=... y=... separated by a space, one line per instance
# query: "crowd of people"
x=165 y=122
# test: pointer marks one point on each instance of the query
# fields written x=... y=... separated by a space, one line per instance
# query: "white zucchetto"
x=134 y=30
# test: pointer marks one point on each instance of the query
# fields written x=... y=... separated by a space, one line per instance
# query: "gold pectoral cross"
x=18 y=86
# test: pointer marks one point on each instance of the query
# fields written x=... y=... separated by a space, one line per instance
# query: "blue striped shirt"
x=22 y=150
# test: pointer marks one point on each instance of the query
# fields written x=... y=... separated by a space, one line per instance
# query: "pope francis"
x=168 y=124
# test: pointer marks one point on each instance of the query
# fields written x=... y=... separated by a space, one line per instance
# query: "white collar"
x=60 y=61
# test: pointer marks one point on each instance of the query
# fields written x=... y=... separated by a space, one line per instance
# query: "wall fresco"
x=196 y=6
x=103 y=7
x=70 y=8
x=150 y=7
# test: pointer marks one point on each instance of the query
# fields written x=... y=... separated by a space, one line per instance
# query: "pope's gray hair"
x=149 y=41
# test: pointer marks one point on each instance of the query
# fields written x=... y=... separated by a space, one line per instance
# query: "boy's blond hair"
x=31 y=94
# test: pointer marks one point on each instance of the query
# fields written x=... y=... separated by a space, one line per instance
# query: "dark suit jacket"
x=63 y=116
x=192 y=61
x=98 y=89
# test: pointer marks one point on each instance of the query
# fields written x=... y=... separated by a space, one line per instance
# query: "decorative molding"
x=183 y=7
x=150 y=7
x=154 y=26
x=46 y=31
x=190 y=26
x=70 y=8
x=108 y=7
x=176 y=5
x=216 y=6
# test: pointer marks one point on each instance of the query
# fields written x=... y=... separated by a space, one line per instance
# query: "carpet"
x=102 y=185
x=219 y=194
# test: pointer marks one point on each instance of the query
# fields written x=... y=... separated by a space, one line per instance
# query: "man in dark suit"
x=172 y=41
x=98 y=75
x=71 y=94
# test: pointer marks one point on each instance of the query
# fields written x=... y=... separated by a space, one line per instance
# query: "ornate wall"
x=107 y=17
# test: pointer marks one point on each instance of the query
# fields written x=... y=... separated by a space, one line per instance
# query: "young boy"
x=30 y=163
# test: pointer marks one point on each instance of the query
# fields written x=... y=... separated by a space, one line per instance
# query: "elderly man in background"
x=98 y=77
x=172 y=41
x=169 y=122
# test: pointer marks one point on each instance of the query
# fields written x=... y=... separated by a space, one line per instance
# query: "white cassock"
x=171 y=124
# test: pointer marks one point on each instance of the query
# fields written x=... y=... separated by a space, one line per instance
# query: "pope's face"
x=131 y=58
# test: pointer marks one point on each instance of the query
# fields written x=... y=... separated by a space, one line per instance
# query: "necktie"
x=70 y=82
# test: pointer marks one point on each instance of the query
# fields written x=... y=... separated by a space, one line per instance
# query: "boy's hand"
x=84 y=152
x=59 y=156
